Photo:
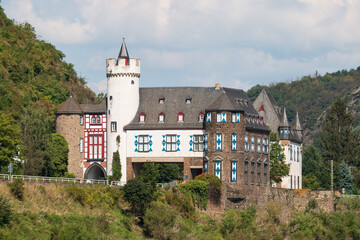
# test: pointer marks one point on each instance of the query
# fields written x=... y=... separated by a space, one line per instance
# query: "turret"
x=284 y=127
x=123 y=75
x=297 y=127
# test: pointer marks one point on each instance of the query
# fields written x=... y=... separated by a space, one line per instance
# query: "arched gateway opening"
x=95 y=171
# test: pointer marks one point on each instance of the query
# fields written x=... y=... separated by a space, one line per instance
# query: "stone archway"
x=95 y=171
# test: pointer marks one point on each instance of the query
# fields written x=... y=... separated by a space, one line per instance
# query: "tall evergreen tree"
x=346 y=181
x=278 y=167
x=116 y=167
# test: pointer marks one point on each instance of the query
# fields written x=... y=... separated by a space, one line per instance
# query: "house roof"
x=70 y=106
x=202 y=99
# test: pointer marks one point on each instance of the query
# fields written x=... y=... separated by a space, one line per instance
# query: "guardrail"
x=350 y=196
x=4 y=176
x=58 y=179
x=117 y=183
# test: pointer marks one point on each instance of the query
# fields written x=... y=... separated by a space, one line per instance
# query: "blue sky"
x=238 y=43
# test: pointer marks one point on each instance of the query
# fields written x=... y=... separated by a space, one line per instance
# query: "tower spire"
x=297 y=124
x=284 y=121
x=123 y=51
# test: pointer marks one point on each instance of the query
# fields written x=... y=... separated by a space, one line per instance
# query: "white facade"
x=123 y=102
x=293 y=156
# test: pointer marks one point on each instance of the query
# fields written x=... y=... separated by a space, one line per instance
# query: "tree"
x=10 y=143
x=138 y=194
x=56 y=156
x=278 y=167
x=116 y=167
x=36 y=128
x=346 y=181
x=150 y=174
x=169 y=172
x=339 y=142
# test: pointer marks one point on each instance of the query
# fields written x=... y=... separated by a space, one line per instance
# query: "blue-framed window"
x=252 y=144
x=205 y=142
x=258 y=145
x=221 y=117
x=218 y=142
x=218 y=169
x=205 y=167
x=208 y=117
x=235 y=117
x=233 y=171
x=246 y=143
x=233 y=142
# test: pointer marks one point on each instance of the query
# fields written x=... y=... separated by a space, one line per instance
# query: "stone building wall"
x=69 y=126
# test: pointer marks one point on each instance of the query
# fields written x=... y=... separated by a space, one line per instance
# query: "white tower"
x=123 y=76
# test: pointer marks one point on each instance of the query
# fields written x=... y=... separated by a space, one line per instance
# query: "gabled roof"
x=202 y=99
x=69 y=106
x=123 y=50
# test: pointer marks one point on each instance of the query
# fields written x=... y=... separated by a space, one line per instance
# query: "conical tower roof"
x=297 y=124
x=123 y=51
x=284 y=121
x=69 y=106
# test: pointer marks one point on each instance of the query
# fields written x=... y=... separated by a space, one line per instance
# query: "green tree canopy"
x=278 y=167
x=346 y=181
x=150 y=174
x=138 y=194
x=10 y=144
x=56 y=156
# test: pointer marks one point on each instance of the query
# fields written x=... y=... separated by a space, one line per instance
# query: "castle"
x=213 y=130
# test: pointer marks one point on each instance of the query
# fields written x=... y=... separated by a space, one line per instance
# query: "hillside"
x=313 y=95
x=33 y=71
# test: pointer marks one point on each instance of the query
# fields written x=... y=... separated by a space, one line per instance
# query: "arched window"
x=180 y=117
x=142 y=118
x=161 y=117
x=201 y=117
x=93 y=120
x=98 y=120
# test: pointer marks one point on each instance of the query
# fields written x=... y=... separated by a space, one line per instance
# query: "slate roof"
x=284 y=121
x=70 y=106
x=123 y=50
x=202 y=99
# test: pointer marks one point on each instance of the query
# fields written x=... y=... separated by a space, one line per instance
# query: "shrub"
x=182 y=204
x=312 y=204
x=214 y=186
x=17 y=188
x=6 y=211
x=160 y=219
x=69 y=175
x=197 y=190
x=138 y=194
x=77 y=193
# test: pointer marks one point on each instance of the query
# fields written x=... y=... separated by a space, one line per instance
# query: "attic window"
x=161 y=117
x=188 y=101
x=201 y=117
x=142 y=118
x=162 y=100
x=180 y=117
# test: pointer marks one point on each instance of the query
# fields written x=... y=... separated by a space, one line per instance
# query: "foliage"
x=215 y=183
x=17 y=188
x=169 y=172
x=160 y=219
x=138 y=194
x=181 y=203
x=6 y=212
x=339 y=142
x=149 y=174
x=69 y=175
x=315 y=169
x=11 y=146
x=116 y=167
x=312 y=204
x=56 y=156
x=36 y=127
x=197 y=190
x=239 y=224
x=278 y=167
x=346 y=178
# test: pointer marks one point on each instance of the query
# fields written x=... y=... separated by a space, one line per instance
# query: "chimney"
x=217 y=86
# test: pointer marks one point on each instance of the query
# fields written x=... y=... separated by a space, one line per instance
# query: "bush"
x=312 y=204
x=182 y=204
x=197 y=190
x=6 y=211
x=17 y=188
x=159 y=220
x=69 y=175
x=138 y=194
x=214 y=186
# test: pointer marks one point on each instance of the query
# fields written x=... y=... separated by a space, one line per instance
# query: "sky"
x=237 y=43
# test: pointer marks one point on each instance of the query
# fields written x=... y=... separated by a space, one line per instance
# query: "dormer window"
x=142 y=118
x=162 y=100
x=188 y=101
x=161 y=117
x=180 y=117
x=201 y=117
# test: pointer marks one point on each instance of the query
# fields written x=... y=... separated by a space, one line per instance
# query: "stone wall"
x=69 y=126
